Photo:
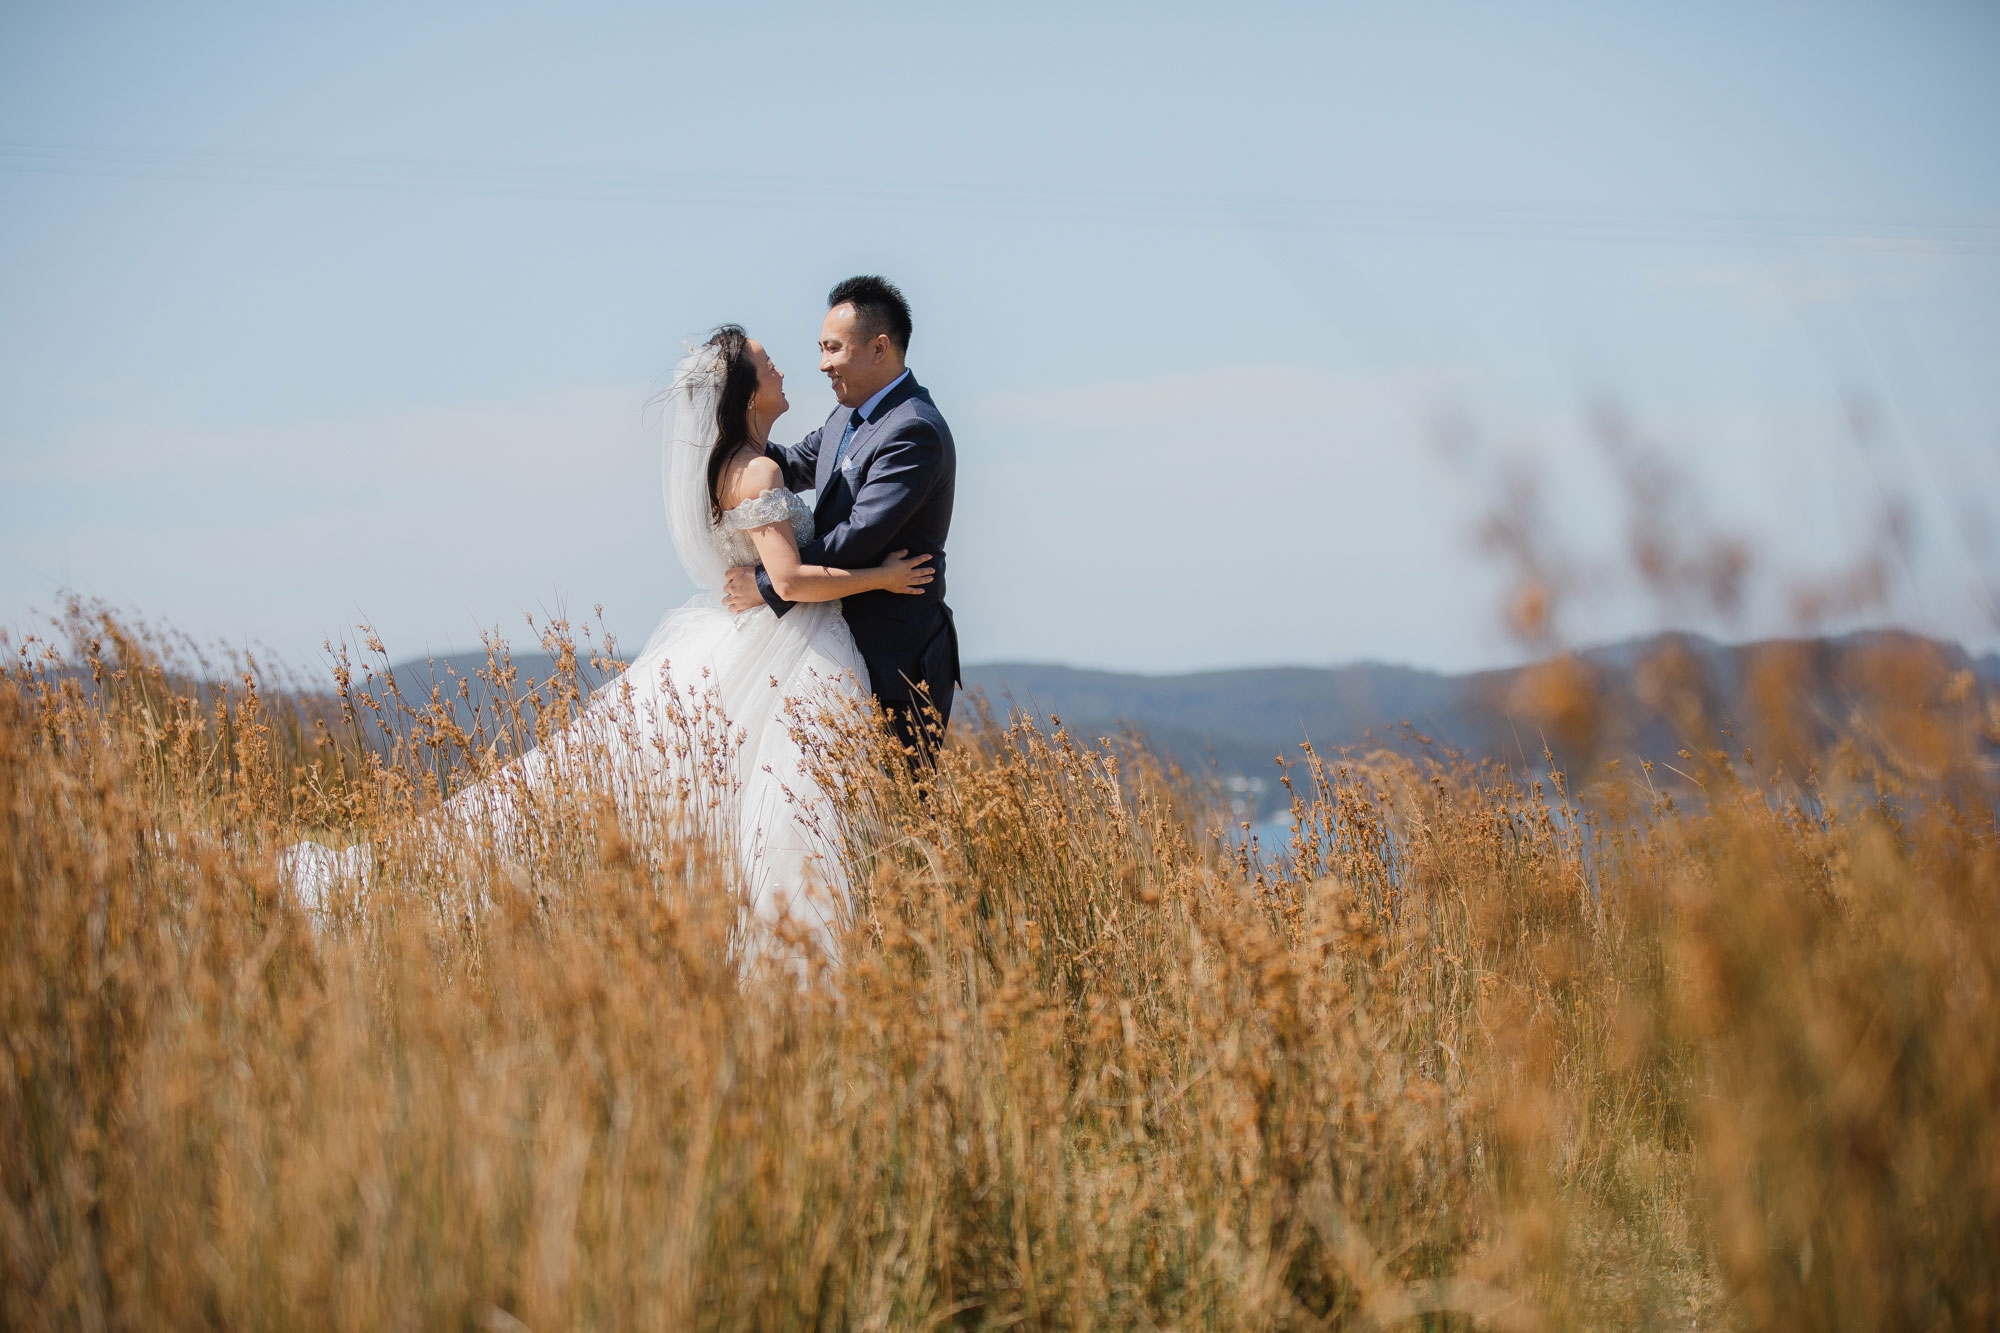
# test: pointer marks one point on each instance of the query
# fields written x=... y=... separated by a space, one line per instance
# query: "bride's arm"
x=796 y=581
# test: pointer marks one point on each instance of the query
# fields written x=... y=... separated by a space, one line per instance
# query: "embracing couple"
x=804 y=611
x=883 y=471
x=805 y=608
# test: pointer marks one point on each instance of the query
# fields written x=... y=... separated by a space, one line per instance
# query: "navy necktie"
x=853 y=424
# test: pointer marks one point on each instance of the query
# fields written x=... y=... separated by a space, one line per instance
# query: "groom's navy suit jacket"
x=892 y=492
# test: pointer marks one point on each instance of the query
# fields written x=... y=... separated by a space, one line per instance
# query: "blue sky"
x=316 y=314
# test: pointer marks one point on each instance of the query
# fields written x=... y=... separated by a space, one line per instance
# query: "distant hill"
x=1239 y=721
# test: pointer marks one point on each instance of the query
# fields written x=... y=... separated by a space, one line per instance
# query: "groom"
x=884 y=469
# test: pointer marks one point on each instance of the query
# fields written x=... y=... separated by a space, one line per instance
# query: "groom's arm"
x=799 y=462
x=902 y=475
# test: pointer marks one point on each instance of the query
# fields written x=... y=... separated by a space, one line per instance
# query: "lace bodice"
x=732 y=535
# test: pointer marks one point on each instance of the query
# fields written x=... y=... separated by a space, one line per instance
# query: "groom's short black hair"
x=878 y=307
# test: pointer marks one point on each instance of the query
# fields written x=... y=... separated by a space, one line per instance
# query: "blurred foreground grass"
x=1478 y=1049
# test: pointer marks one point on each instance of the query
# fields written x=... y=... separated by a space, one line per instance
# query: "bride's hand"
x=906 y=573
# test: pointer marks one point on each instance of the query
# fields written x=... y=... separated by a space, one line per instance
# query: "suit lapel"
x=823 y=471
x=901 y=394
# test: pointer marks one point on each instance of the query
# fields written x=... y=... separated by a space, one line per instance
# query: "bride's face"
x=769 y=402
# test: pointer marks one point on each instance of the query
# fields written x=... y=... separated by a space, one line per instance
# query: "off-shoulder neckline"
x=758 y=498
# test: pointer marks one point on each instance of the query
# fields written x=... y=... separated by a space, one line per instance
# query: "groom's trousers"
x=927 y=686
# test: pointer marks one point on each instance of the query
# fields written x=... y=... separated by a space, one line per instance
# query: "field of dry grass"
x=1707 y=1044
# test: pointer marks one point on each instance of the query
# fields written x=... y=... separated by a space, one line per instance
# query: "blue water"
x=1273 y=835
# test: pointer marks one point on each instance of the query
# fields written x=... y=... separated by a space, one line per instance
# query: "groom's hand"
x=739 y=590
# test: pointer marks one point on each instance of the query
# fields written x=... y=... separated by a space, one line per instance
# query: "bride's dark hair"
x=732 y=409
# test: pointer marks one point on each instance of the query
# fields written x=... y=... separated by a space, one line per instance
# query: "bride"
x=717 y=706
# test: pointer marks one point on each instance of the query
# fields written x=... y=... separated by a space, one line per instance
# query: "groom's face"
x=856 y=364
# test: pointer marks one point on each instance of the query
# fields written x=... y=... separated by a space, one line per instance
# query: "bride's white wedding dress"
x=715 y=717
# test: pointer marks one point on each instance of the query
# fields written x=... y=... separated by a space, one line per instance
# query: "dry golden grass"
x=1478 y=1051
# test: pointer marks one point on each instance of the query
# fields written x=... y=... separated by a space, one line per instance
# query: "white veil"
x=690 y=437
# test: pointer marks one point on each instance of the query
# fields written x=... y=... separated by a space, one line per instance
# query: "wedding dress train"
x=716 y=718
